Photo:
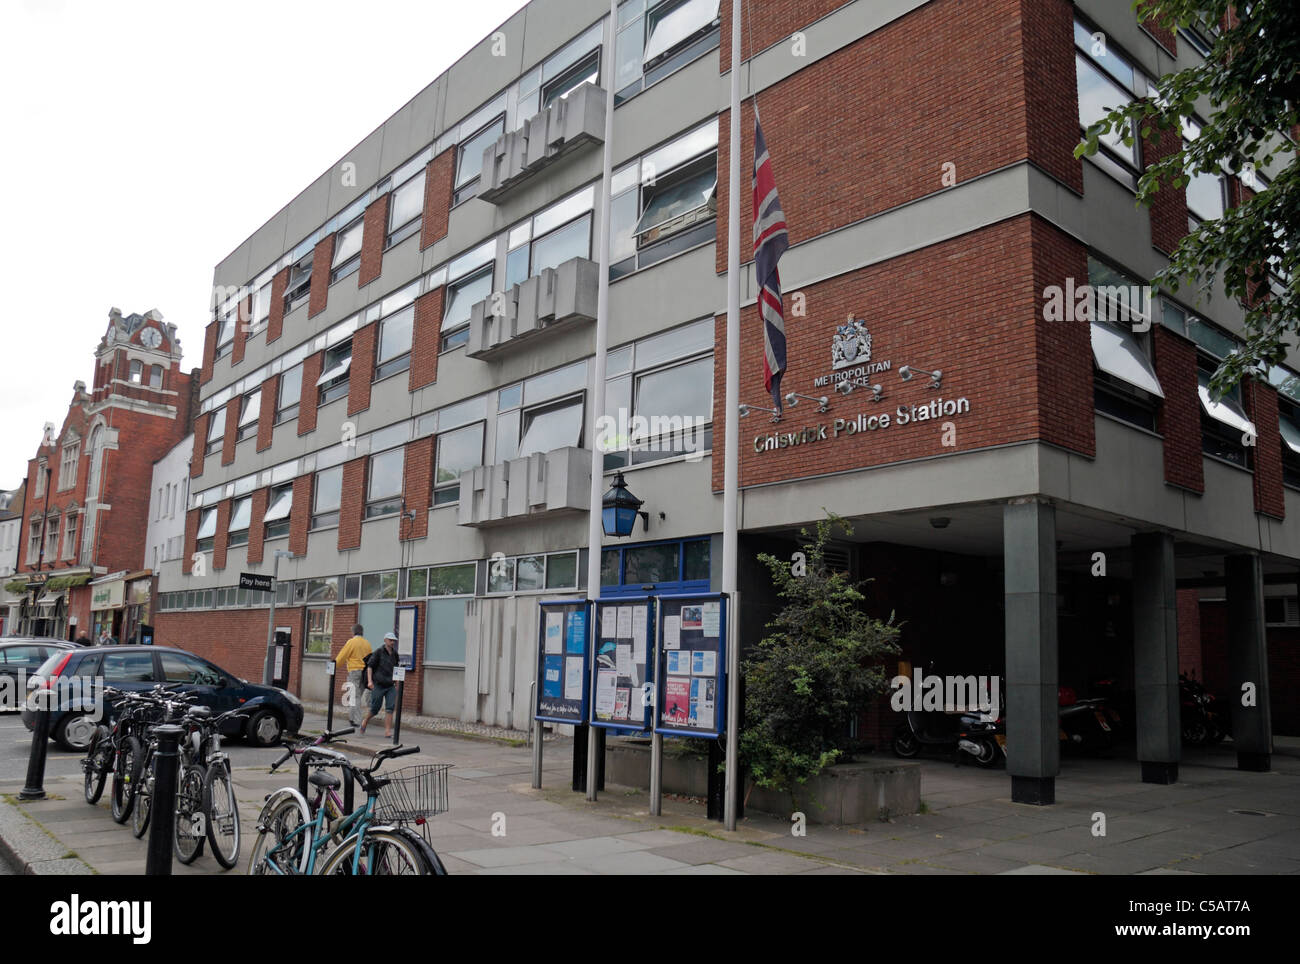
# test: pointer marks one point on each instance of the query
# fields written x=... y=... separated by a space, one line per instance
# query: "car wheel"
x=264 y=729
x=75 y=731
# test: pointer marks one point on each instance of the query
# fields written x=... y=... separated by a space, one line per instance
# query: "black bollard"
x=397 y=715
x=600 y=758
x=163 y=819
x=329 y=700
x=579 y=784
x=35 y=788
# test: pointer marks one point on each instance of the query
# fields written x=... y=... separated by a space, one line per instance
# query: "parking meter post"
x=330 y=667
x=162 y=825
x=35 y=786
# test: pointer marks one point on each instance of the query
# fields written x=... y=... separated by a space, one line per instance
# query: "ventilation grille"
x=839 y=558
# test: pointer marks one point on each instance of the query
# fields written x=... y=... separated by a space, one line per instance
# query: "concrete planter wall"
x=851 y=793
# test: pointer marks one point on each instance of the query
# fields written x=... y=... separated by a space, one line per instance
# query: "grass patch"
x=694 y=830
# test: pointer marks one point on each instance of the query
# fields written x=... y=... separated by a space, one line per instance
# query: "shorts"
x=385 y=695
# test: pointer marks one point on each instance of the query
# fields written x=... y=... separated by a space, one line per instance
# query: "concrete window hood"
x=517 y=156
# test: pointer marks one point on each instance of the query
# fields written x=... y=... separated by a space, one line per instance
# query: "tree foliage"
x=818 y=665
x=1250 y=83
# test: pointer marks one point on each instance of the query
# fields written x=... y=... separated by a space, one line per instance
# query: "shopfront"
x=107 y=599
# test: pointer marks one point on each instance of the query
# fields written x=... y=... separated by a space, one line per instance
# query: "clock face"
x=150 y=338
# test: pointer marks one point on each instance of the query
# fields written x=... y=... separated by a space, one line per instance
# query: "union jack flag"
x=770 y=242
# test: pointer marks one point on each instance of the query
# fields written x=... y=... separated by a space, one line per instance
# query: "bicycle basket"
x=413 y=793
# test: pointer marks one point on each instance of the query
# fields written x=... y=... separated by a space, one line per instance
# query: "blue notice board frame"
x=690 y=615
x=604 y=659
x=574 y=643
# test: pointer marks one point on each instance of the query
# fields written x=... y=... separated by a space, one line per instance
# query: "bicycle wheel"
x=126 y=775
x=143 y=808
x=383 y=854
x=282 y=845
x=222 y=815
x=97 y=763
x=190 y=832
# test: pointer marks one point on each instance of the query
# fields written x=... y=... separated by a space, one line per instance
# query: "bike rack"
x=305 y=790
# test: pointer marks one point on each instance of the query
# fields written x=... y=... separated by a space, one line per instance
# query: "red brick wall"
x=1179 y=420
x=373 y=235
x=437 y=197
x=266 y=417
x=353 y=503
x=234 y=639
x=1189 y=632
x=311 y=370
x=417 y=488
x=362 y=371
x=320 y=275
x=275 y=321
x=1064 y=348
x=770 y=22
x=221 y=542
x=1051 y=97
x=300 y=515
x=426 y=338
x=1163 y=35
x=1261 y=405
x=257 y=526
x=191 y=541
x=232 y=431
x=1283 y=666
x=966 y=306
x=200 y=445
x=242 y=317
x=1169 y=207
x=895 y=120
x=209 y=351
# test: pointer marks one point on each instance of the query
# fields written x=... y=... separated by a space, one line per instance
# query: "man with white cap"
x=379 y=671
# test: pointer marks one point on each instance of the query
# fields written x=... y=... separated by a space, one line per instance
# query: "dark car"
x=141 y=668
x=20 y=657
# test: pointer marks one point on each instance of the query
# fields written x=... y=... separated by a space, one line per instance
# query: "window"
x=68 y=466
x=453 y=580
x=216 y=429
x=1125 y=385
x=129 y=667
x=1289 y=425
x=384 y=490
x=461 y=297
x=333 y=382
x=182 y=668
x=94 y=454
x=347 y=250
x=289 y=395
x=584 y=71
x=320 y=631
x=656 y=38
x=250 y=409
x=395 y=343
x=278 y=507
x=671 y=27
x=678 y=200
x=457 y=451
x=558 y=570
x=34 y=545
x=136 y=373
x=657 y=566
x=226 y=329
x=52 y=538
x=469 y=158
x=207 y=534
x=40 y=478
x=379 y=585
x=1226 y=430
x=329 y=493
x=405 y=207
x=1104 y=82
x=299 y=286
x=156 y=376
x=241 y=517
x=88 y=538
x=1206 y=193
x=262 y=305
x=552 y=426
x=70 y=536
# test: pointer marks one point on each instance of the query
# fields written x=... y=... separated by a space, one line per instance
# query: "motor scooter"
x=1203 y=718
x=1089 y=724
x=967 y=733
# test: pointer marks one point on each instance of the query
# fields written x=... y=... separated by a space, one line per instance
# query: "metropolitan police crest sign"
x=851 y=345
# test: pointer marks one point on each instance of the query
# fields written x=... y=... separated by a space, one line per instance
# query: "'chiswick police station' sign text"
x=903 y=415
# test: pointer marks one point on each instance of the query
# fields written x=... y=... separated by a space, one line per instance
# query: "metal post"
x=163 y=818
x=35 y=787
x=731 y=408
x=537 y=754
x=330 y=667
x=656 y=740
x=397 y=715
x=582 y=740
x=656 y=774
x=270 y=620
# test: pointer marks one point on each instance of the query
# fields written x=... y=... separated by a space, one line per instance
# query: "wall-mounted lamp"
x=907 y=372
x=619 y=509
x=746 y=409
x=846 y=388
x=823 y=403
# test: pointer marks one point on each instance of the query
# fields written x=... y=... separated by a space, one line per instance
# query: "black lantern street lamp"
x=619 y=509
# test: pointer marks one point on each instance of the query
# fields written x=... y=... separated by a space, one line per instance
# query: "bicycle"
x=168 y=707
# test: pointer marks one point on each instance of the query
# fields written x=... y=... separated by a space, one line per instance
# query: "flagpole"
x=595 y=529
x=731 y=409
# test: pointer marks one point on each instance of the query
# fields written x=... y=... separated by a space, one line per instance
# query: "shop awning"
x=1118 y=353
x=1225 y=410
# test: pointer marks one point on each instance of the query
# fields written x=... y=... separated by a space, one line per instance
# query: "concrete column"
x=1155 y=657
x=1029 y=560
x=1252 y=730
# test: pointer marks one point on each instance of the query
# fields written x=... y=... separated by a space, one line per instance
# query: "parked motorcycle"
x=985 y=741
x=1088 y=725
x=1204 y=720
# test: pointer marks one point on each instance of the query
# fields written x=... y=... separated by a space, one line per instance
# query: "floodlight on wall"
x=846 y=388
x=746 y=409
x=907 y=372
x=823 y=403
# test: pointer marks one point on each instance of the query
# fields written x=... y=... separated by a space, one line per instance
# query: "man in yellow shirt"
x=352 y=657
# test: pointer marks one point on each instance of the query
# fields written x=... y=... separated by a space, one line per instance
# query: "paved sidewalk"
x=1215 y=820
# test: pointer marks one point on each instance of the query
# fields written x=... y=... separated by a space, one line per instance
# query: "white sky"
x=143 y=141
